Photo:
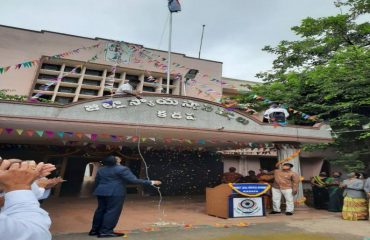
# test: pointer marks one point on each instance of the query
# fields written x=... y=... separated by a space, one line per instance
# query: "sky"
x=235 y=32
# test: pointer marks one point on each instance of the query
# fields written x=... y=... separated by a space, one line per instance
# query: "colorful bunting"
x=9 y=130
x=134 y=139
x=79 y=135
x=88 y=135
x=94 y=136
x=50 y=134
x=19 y=131
x=40 y=133
x=61 y=134
x=32 y=63
x=30 y=133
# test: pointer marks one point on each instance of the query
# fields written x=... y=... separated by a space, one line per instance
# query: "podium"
x=217 y=200
x=236 y=200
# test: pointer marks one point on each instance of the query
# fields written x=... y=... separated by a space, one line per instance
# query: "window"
x=89 y=92
x=148 y=89
x=44 y=97
x=68 y=69
x=67 y=89
x=52 y=67
x=132 y=77
x=70 y=80
x=93 y=72
x=164 y=90
x=63 y=100
x=172 y=81
x=91 y=82
x=43 y=87
x=47 y=76
x=116 y=85
x=116 y=75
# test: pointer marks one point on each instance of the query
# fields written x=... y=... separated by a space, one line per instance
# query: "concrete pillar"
x=285 y=151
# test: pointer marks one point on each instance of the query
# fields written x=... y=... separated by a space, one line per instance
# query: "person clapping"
x=21 y=217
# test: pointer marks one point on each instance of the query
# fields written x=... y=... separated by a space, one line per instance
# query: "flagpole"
x=169 y=55
x=201 y=41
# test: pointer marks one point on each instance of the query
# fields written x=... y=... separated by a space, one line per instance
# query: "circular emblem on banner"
x=248 y=206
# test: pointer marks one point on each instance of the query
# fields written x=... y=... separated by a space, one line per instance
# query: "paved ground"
x=263 y=231
x=186 y=216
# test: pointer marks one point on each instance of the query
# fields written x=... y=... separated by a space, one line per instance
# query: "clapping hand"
x=46 y=169
x=18 y=176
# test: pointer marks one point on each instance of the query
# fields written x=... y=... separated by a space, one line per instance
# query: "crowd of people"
x=351 y=196
x=284 y=182
x=336 y=194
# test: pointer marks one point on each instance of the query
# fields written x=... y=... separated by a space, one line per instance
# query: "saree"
x=320 y=193
x=355 y=209
x=335 y=195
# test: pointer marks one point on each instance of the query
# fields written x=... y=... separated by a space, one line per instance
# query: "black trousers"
x=107 y=214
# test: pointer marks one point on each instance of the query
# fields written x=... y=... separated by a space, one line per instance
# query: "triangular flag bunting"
x=69 y=134
x=30 y=133
x=50 y=134
x=88 y=135
x=9 y=130
x=19 y=131
x=79 y=135
x=40 y=133
x=94 y=136
x=104 y=135
x=61 y=134
x=153 y=139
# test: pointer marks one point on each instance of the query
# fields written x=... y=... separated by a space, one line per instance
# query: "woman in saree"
x=335 y=192
x=355 y=202
x=320 y=191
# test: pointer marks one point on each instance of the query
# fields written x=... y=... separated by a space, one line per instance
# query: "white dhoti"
x=276 y=199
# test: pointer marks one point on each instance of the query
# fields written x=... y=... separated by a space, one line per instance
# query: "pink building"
x=72 y=123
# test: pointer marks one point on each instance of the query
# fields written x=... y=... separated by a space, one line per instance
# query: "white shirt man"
x=39 y=192
x=273 y=109
x=125 y=88
x=22 y=218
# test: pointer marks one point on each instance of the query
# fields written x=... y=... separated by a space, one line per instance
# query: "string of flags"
x=54 y=81
x=81 y=136
x=160 y=63
x=295 y=112
x=32 y=63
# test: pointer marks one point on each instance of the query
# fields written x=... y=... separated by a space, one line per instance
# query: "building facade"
x=68 y=118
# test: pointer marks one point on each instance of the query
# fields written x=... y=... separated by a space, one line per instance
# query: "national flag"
x=174 y=6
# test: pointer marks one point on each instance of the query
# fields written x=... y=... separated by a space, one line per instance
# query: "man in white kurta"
x=22 y=218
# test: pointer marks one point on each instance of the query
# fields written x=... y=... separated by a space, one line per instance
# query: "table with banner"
x=237 y=200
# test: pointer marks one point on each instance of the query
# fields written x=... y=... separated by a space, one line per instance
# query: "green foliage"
x=5 y=96
x=327 y=73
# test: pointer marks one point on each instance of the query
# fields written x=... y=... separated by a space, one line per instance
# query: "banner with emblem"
x=250 y=189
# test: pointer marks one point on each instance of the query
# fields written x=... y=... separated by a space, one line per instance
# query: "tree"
x=327 y=73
